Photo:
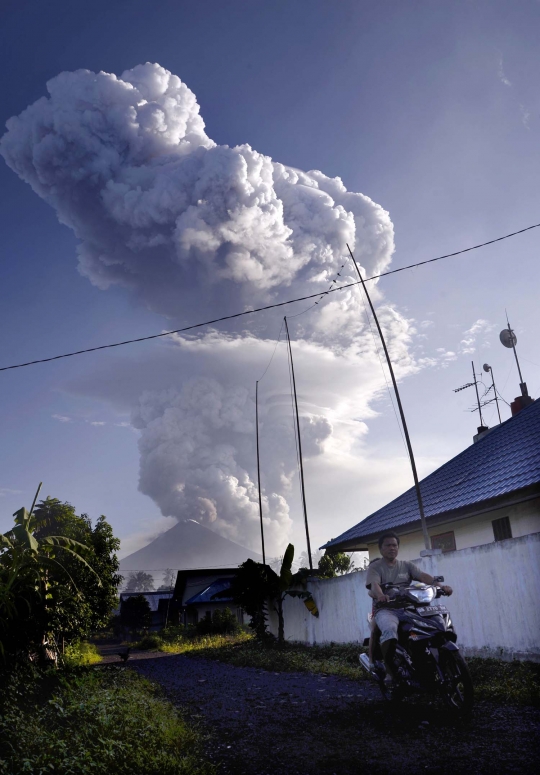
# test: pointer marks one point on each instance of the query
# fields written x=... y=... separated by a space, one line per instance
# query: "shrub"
x=175 y=632
x=222 y=622
x=149 y=642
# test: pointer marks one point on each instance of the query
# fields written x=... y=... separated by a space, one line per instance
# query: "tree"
x=221 y=622
x=169 y=577
x=35 y=583
x=139 y=581
x=255 y=584
x=333 y=564
x=249 y=589
x=303 y=560
x=96 y=585
x=135 y=613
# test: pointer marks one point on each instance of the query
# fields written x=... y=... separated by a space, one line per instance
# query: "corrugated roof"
x=206 y=595
x=505 y=460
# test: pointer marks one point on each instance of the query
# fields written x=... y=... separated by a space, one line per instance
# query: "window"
x=501 y=528
x=444 y=541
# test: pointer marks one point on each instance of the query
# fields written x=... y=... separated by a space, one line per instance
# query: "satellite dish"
x=486 y=367
x=508 y=338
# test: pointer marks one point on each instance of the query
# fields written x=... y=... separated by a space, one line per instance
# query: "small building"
x=489 y=492
x=194 y=593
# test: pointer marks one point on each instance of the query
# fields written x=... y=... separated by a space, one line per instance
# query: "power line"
x=294 y=316
x=321 y=296
x=263 y=309
x=273 y=353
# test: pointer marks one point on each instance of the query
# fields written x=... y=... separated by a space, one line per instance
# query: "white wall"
x=472 y=531
x=494 y=606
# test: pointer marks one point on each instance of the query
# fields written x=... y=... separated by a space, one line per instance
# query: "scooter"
x=427 y=658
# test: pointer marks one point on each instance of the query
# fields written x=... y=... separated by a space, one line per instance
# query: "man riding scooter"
x=389 y=570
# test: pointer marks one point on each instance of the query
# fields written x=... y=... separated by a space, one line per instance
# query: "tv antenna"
x=479 y=405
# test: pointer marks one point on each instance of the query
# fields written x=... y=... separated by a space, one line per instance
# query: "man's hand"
x=447 y=590
x=383 y=598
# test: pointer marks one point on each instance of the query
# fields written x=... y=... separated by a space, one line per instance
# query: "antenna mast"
x=479 y=404
x=259 y=466
x=511 y=341
x=302 y=486
x=428 y=550
x=489 y=370
x=477 y=396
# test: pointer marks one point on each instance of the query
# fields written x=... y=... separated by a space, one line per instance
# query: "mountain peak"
x=188 y=545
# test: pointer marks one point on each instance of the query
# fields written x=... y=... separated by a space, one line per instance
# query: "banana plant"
x=256 y=584
x=280 y=587
x=29 y=566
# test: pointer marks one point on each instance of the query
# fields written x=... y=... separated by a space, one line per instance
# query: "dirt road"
x=264 y=723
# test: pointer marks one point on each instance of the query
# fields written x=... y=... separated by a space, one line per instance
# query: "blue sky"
x=429 y=109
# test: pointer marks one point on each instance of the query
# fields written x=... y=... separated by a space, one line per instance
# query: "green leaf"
x=5 y=543
x=285 y=576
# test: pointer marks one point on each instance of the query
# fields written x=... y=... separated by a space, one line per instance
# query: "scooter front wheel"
x=457 y=690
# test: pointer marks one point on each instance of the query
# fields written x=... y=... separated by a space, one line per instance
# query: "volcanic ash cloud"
x=160 y=208
x=194 y=230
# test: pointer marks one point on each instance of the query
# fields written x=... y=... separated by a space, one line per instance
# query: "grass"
x=512 y=683
x=82 y=653
x=516 y=683
x=94 y=720
x=243 y=650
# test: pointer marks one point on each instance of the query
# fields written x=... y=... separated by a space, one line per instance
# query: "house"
x=194 y=593
x=161 y=605
x=489 y=492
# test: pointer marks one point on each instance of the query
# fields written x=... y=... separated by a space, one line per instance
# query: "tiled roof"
x=505 y=460
x=206 y=595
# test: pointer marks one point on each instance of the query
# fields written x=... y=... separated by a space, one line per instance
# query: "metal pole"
x=36 y=497
x=425 y=533
x=299 y=448
x=522 y=384
x=259 y=467
x=495 y=394
x=477 y=396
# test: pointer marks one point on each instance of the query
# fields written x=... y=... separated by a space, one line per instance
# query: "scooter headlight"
x=423 y=595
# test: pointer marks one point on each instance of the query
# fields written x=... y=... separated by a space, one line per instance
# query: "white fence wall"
x=495 y=606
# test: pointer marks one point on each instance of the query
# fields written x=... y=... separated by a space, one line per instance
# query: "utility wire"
x=320 y=297
x=269 y=306
x=274 y=352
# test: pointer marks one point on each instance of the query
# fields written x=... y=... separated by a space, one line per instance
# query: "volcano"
x=188 y=545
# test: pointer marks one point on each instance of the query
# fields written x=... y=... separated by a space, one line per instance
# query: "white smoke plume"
x=196 y=230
